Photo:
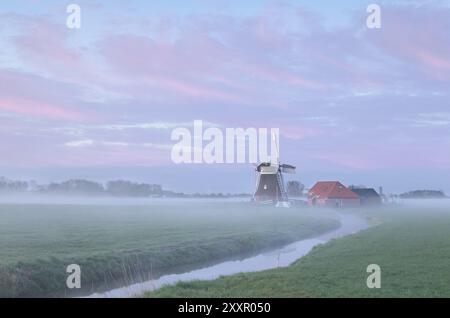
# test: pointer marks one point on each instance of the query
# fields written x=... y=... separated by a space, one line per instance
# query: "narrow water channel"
x=280 y=257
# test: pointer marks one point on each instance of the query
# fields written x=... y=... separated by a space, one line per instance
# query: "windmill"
x=270 y=183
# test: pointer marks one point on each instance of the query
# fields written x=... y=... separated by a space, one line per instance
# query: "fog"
x=34 y=198
x=90 y=226
x=427 y=203
x=236 y=178
x=30 y=198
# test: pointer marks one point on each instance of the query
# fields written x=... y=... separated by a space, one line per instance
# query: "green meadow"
x=116 y=245
x=411 y=244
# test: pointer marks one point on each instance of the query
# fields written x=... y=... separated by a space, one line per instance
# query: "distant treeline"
x=423 y=194
x=12 y=185
x=116 y=188
x=83 y=187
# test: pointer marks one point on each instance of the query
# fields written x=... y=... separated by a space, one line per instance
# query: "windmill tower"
x=269 y=181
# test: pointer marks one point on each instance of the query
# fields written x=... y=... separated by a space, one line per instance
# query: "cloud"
x=112 y=95
x=37 y=96
x=91 y=143
x=80 y=143
x=36 y=108
x=150 y=125
x=416 y=39
x=432 y=119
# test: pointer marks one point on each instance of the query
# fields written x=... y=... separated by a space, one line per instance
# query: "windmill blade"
x=275 y=143
x=287 y=169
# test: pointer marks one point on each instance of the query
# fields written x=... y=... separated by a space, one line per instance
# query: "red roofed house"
x=332 y=194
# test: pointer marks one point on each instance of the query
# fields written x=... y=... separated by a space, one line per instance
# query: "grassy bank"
x=116 y=245
x=411 y=245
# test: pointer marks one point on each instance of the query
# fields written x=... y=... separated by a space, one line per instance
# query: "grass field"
x=117 y=245
x=411 y=245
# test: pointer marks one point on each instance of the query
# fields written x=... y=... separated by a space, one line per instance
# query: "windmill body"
x=270 y=182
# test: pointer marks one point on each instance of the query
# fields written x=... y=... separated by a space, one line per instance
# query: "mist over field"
x=121 y=241
x=105 y=200
x=118 y=244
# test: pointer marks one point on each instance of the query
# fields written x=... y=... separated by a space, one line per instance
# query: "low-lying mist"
x=30 y=198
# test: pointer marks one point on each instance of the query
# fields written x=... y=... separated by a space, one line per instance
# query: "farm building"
x=332 y=194
x=368 y=196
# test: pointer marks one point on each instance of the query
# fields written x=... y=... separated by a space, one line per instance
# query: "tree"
x=295 y=188
x=76 y=186
x=130 y=189
x=423 y=194
x=7 y=185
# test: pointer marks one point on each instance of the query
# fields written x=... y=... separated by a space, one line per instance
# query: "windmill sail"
x=287 y=169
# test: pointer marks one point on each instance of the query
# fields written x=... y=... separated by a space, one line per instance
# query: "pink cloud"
x=194 y=90
x=162 y=66
x=299 y=132
x=37 y=108
x=350 y=160
x=417 y=37
x=41 y=40
x=258 y=69
x=37 y=96
x=193 y=62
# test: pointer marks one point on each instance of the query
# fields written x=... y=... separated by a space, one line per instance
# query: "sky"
x=363 y=106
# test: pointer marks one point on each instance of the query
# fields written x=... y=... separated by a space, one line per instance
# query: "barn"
x=332 y=194
x=368 y=196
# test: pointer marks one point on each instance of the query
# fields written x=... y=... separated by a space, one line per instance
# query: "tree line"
x=423 y=194
x=115 y=188
x=119 y=188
